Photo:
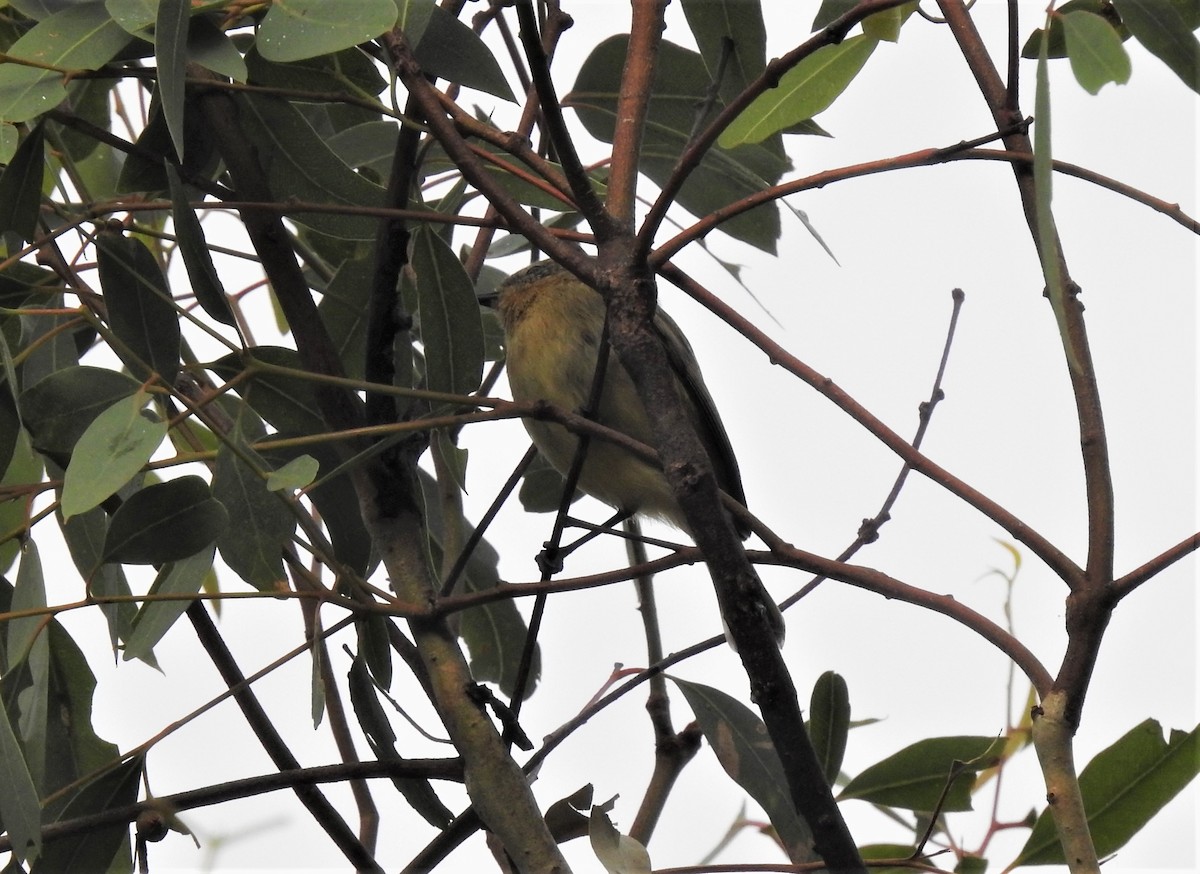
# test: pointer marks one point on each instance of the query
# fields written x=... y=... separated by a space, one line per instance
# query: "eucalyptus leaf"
x=1123 y=788
x=297 y=29
x=1094 y=47
x=141 y=311
x=1161 y=28
x=80 y=37
x=742 y=746
x=165 y=522
x=113 y=449
x=807 y=89
x=21 y=186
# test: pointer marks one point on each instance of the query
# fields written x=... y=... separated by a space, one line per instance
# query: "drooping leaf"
x=1057 y=47
x=618 y=853
x=94 y=849
x=58 y=409
x=1043 y=179
x=829 y=722
x=296 y=474
x=155 y=618
x=494 y=633
x=681 y=83
x=287 y=402
x=451 y=50
x=336 y=501
x=171 y=55
x=18 y=797
x=297 y=29
x=732 y=39
x=29 y=594
x=206 y=284
x=135 y=16
x=46 y=337
x=1094 y=47
x=89 y=99
x=1123 y=788
x=451 y=330
x=740 y=741
x=260 y=524
x=24 y=469
x=807 y=89
x=299 y=163
x=80 y=37
x=113 y=449
x=21 y=186
x=915 y=777
x=141 y=312
x=348 y=70
x=165 y=522
x=1161 y=28
x=373 y=720
x=209 y=47
x=84 y=534
x=344 y=307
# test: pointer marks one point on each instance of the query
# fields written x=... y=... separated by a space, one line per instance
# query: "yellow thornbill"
x=553 y=324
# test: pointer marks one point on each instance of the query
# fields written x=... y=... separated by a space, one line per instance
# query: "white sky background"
x=875 y=325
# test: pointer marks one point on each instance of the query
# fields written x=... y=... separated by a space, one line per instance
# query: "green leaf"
x=296 y=29
x=209 y=47
x=804 y=91
x=141 y=311
x=829 y=722
x=1058 y=41
x=111 y=452
x=1094 y=47
x=1043 y=180
x=24 y=469
x=451 y=50
x=344 y=308
x=287 y=402
x=1159 y=26
x=373 y=720
x=680 y=85
x=348 y=70
x=59 y=408
x=135 y=16
x=618 y=853
x=494 y=633
x=94 y=849
x=740 y=741
x=732 y=39
x=1123 y=788
x=80 y=37
x=885 y=26
x=84 y=535
x=155 y=618
x=260 y=523
x=48 y=339
x=831 y=10
x=915 y=777
x=21 y=187
x=206 y=284
x=337 y=503
x=171 y=54
x=296 y=474
x=29 y=594
x=18 y=797
x=451 y=329
x=165 y=522
x=299 y=164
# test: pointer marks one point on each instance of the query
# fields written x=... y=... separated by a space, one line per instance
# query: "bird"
x=553 y=325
